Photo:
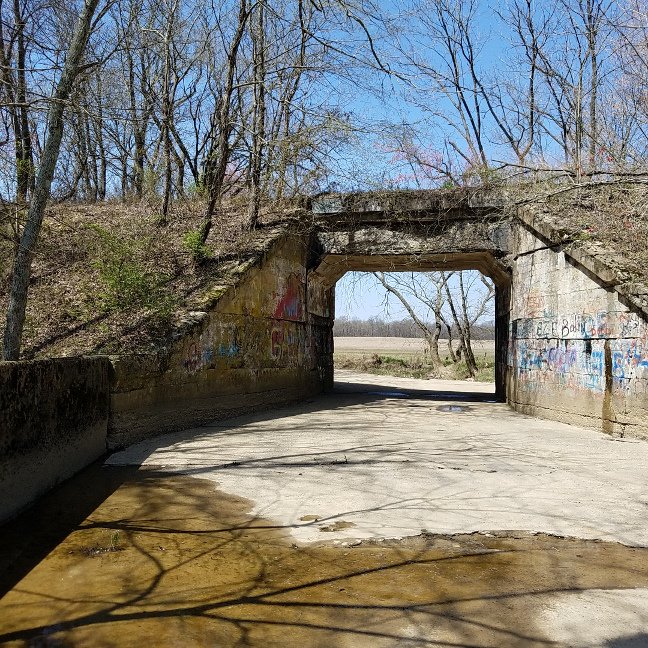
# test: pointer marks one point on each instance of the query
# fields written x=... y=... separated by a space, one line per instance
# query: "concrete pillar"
x=502 y=317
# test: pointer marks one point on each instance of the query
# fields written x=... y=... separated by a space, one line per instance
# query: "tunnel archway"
x=333 y=267
x=448 y=244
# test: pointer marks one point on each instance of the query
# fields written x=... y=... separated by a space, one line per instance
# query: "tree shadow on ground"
x=635 y=641
x=169 y=558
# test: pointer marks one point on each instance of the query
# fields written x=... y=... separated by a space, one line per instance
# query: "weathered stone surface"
x=577 y=353
x=568 y=344
x=267 y=341
x=53 y=422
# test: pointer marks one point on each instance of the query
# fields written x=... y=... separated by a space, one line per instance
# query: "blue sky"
x=358 y=296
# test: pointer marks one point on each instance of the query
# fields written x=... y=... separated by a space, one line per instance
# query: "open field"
x=400 y=346
x=407 y=357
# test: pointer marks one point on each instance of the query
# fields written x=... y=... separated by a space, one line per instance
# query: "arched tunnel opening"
x=391 y=273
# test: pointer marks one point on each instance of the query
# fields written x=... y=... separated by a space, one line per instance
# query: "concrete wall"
x=53 y=423
x=568 y=349
x=266 y=342
x=577 y=353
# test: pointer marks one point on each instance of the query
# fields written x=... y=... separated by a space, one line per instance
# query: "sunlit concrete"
x=385 y=457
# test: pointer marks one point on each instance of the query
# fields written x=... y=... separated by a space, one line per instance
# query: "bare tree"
x=458 y=305
x=431 y=335
x=219 y=154
x=55 y=124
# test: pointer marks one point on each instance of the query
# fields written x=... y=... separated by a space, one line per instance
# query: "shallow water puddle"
x=168 y=561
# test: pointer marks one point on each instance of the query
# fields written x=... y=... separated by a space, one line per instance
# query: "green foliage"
x=480 y=175
x=126 y=282
x=196 y=190
x=114 y=541
x=199 y=251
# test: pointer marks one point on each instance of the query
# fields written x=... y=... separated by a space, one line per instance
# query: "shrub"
x=126 y=282
x=199 y=251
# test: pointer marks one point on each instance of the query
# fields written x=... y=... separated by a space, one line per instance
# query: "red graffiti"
x=290 y=305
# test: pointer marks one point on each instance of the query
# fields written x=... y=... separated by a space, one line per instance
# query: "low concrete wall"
x=577 y=353
x=53 y=423
x=265 y=341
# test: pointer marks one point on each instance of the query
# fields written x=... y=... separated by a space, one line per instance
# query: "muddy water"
x=146 y=559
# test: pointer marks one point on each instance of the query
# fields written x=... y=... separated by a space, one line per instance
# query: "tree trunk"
x=22 y=265
x=433 y=345
x=24 y=158
x=258 y=118
x=432 y=337
x=216 y=165
x=466 y=332
x=470 y=360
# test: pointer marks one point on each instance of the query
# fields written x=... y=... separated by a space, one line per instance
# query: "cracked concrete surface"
x=387 y=457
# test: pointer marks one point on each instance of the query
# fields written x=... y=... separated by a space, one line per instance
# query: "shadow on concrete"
x=634 y=641
x=374 y=391
x=192 y=567
x=28 y=538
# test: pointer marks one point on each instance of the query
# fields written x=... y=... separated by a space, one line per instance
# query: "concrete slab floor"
x=390 y=457
x=303 y=528
x=387 y=457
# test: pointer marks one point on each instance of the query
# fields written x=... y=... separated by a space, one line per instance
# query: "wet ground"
x=168 y=561
x=128 y=556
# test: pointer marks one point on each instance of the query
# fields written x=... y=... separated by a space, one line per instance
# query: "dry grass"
x=405 y=357
x=401 y=346
x=109 y=279
x=74 y=309
x=612 y=217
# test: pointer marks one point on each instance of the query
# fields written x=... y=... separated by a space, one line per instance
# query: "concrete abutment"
x=570 y=344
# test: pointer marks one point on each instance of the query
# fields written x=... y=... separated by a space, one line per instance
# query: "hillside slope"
x=107 y=279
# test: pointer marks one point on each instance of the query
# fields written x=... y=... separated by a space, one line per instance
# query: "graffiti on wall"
x=535 y=303
x=287 y=342
x=581 y=326
x=290 y=300
x=318 y=298
x=212 y=349
x=581 y=363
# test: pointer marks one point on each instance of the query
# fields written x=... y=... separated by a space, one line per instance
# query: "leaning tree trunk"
x=43 y=185
x=431 y=337
x=470 y=360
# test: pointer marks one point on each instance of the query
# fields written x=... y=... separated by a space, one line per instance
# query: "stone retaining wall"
x=577 y=353
x=53 y=423
x=266 y=342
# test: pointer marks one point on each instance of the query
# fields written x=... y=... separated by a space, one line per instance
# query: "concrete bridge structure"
x=571 y=336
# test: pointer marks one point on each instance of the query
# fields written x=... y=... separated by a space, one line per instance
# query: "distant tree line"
x=404 y=328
